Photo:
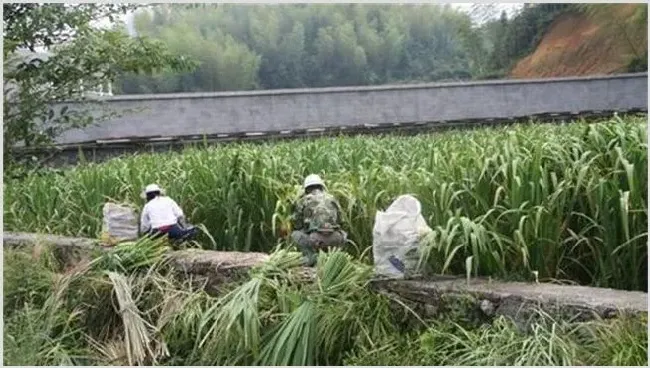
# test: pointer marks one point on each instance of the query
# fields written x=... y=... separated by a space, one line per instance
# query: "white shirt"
x=160 y=211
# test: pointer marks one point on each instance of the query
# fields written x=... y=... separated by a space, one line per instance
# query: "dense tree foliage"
x=291 y=46
x=52 y=53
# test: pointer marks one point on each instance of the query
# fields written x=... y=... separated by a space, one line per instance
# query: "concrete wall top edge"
x=385 y=87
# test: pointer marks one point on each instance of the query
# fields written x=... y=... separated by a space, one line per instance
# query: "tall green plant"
x=566 y=201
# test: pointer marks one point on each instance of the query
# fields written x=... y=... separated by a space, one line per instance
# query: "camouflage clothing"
x=316 y=211
x=310 y=244
x=316 y=219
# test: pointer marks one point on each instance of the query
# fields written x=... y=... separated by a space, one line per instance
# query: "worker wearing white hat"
x=161 y=215
x=316 y=220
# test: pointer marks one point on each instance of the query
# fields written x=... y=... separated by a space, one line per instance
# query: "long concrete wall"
x=197 y=114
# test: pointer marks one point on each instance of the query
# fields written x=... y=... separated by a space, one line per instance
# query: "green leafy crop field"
x=566 y=201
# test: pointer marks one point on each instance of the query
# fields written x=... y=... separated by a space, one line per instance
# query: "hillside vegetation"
x=241 y=47
x=604 y=40
x=294 y=46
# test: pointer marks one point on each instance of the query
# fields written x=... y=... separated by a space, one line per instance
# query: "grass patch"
x=620 y=342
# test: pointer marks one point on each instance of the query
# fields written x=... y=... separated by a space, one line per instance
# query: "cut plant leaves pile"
x=92 y=316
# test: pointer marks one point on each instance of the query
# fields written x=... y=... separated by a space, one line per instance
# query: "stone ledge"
x=12 y=239
x=519 y=299
x=514 y=299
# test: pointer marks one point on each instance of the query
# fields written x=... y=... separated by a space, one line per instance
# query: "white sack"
x=396 y=237
x=120 y=223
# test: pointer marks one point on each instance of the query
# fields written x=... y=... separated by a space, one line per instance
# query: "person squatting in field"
x=316 y=220
x=161 y=216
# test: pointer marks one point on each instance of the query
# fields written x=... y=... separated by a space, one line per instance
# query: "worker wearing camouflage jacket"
x=316 y=221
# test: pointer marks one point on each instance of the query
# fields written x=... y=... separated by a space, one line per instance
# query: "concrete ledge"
x=518 y=299
x=67 y=250
x=490 y=298
x=219 y=266
x=11 y=239
x=213 y=268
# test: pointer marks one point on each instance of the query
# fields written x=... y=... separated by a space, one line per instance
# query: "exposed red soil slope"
x=578 y=45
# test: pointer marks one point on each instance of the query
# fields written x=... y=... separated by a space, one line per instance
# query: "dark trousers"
x=174 y=232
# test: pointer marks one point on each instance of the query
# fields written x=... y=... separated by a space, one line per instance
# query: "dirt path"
x=576 y=45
